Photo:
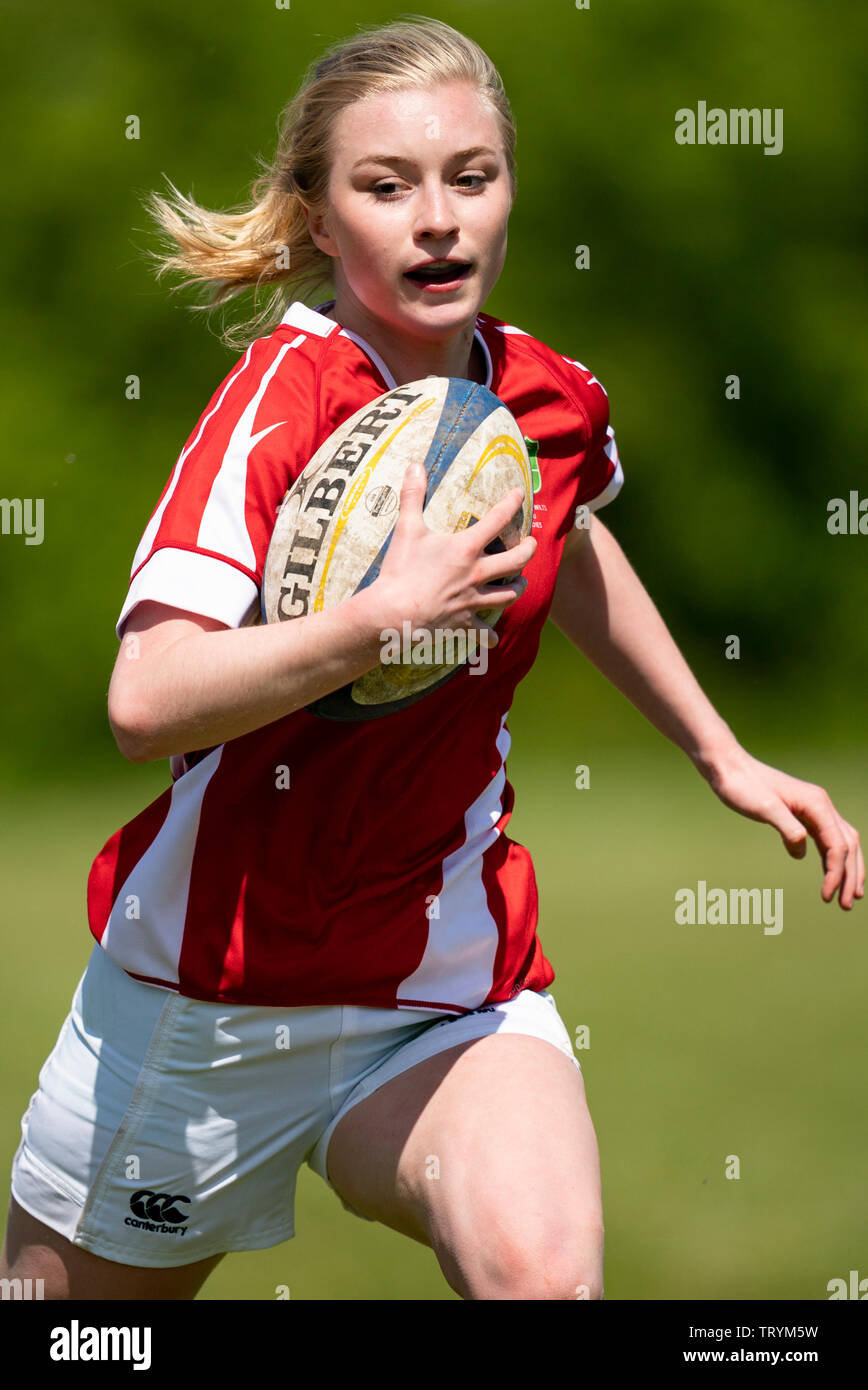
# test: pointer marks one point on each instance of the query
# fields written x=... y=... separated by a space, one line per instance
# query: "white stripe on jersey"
x=463 y=939
x=223 y=527
x=154 y=524
x=592 y=380
x=149 y=942
x=613 y=487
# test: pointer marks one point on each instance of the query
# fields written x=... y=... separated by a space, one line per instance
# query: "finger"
x=791 y=830
x=860 y=870
x=855 y=857
x=505 y=561
x=846 y=880
x=814 y=808
x=835 y=859
x=499 y=596
x=850 y=884
x=487 y=635
x=497 y=517
x=413 y=488
x=484 y=634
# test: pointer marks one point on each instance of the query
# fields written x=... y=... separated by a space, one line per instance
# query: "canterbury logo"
x=157 y=1206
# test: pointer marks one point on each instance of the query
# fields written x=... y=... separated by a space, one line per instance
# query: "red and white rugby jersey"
x=382 y=875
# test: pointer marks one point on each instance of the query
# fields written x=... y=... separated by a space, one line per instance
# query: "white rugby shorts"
x=167 y=1129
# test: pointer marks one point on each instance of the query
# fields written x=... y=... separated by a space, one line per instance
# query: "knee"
x=532 y=1269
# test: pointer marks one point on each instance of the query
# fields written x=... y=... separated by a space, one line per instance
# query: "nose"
x=435 y=213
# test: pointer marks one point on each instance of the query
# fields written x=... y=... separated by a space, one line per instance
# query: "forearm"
x=602 y=606
x=214 y=686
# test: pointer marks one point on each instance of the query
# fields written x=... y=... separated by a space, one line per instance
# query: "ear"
x=317 y=226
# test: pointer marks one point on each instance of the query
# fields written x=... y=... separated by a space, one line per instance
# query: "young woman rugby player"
x=345 y=970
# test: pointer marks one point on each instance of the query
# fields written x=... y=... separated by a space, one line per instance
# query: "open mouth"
x=439 y=275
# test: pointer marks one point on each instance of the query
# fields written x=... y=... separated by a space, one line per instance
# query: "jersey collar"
x=298 y=315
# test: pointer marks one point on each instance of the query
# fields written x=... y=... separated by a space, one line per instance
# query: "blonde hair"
x=267 y=242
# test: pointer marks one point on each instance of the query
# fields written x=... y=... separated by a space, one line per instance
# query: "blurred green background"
x=705 y=261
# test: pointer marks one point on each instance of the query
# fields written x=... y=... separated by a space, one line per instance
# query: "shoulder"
x=271 y=386
x=561 y=404
x=271 y=366
x=528 y=364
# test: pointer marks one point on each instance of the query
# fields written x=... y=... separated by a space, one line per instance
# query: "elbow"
x=130 y=732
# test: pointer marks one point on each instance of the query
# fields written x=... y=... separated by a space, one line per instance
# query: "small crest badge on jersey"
x=532 y=452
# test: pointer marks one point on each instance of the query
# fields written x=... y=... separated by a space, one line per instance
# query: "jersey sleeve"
x=204 y=546
x=600 y=476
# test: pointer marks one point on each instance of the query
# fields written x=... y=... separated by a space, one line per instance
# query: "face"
x=416 y=175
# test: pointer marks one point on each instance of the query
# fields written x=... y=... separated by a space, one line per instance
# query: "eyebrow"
x=401 y=159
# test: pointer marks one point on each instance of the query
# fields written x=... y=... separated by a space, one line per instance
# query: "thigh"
x=487 y=1153
x=32 y=1250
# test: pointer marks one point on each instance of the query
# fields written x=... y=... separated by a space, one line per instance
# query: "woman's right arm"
x=183 y=681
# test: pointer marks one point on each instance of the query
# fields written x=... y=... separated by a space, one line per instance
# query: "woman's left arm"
x=601 y=605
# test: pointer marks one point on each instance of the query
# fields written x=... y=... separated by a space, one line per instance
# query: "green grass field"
x=705 y=1041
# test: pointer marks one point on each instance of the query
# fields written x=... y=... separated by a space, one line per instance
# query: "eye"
x=382 y=194
x=379 y=191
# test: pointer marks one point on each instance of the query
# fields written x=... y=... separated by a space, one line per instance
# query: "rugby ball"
x=335 y=523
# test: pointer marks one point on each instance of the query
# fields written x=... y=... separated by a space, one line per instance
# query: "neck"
x=410 y=359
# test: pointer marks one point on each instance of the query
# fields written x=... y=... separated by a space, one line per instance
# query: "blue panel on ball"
x=466 y=405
